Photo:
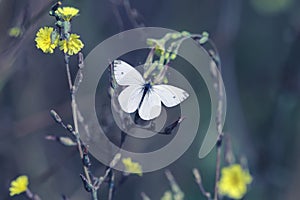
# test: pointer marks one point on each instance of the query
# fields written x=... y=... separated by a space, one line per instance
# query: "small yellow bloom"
x=132 y=167
x=67 y=13
x=43 y=40
x=19 y=185
x=234 y=181
x=72 y=45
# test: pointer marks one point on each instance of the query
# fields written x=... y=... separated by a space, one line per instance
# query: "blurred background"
x=259 y=45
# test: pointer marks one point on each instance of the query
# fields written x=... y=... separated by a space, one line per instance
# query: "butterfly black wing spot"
x=117 y=62
x=122 y=73
x=174 y=97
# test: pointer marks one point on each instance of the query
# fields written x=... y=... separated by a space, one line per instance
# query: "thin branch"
x=200 y=185
x=144 y=196
x=175 y=187
x=220 y=113
x=218 y=166
x=101 y=179
x=228 y=153
x=75 y=121
x=32 y=196
x=111 y=186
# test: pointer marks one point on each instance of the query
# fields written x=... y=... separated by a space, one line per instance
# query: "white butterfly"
x=142 y=95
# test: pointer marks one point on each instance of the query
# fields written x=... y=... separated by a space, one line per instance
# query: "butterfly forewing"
x=125 y=74
x=170 y=95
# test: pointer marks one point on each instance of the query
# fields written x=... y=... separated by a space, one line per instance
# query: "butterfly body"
x=143 y=96
x=146 y=89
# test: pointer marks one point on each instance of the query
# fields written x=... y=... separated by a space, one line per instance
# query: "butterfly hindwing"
x=150 y=107
x=125 y=74
x=170 y=95
x=130 y=98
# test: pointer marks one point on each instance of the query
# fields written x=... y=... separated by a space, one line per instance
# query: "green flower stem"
x=161 y=75
x=149 y=59
x=173 y=48
x=150 y=70
x=29 y=194
x=94 y=194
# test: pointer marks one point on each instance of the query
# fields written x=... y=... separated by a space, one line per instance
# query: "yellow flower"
x=43 y=40
x=19 y=185
x=67 y=13
x=132 y=167
x=72 y=45
x=234 y=181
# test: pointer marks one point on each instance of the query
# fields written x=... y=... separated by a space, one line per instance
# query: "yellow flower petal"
x=71 y=46
x=43 y=40
x=132 y=167
x=67 y=13
x=234 y=181
x=19 y=185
